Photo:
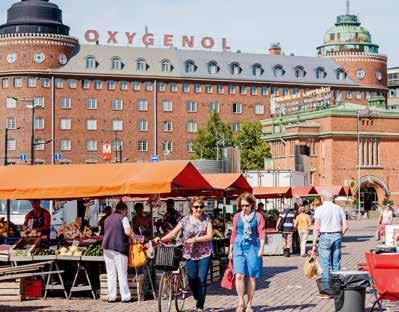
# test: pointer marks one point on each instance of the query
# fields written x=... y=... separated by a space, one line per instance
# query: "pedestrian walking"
x=285 y=224
x=197 y=236
x=302 y=223
x=246 y=249
x=331 y=224
x=117 y=232
x=385 y=218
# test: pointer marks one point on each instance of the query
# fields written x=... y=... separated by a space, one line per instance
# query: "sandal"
x=241 y=308
x=249 y=309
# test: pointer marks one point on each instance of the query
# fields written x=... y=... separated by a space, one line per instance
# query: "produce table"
x=274 y=243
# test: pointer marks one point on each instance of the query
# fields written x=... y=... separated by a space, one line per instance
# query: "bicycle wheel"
x=165 y=293
x=180 y=289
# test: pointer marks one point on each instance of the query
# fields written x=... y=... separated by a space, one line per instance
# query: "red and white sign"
x=150 y=39
x=107 y=151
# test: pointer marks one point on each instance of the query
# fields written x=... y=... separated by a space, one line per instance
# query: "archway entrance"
x=372 y=190
x=368 y=197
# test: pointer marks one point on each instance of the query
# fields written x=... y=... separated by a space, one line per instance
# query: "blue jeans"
x=197 y=271
x=330 y=255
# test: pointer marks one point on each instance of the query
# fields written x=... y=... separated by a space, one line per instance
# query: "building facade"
x=393 y=85
x=151 y=101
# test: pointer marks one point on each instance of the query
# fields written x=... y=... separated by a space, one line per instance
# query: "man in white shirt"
x=330 y=223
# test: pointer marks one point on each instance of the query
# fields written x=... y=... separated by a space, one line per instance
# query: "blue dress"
x=245 y=251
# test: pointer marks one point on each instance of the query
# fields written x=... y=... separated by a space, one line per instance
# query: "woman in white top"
x=385 y=218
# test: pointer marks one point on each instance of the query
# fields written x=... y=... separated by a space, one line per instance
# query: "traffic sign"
x=57 y=157
x=107 y=151
x=23 y=157
x=154 y=158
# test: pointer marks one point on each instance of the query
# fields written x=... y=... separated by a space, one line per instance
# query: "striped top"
x=287 y=216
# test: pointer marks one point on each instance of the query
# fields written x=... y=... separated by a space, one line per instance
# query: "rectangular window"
x=17 y=82
x=91 y=103
x=161 y=86
x=208 y=89
x=117 y=104
x=286 y=91
x=117 y=145
x=4 y=83
x=358 y=95
x=32 y=82
x=259 y=109
x=369 y=149
x=142 y=146
x=59 y=83
x=167 y=106
x=39 y=123
x=368 y=96
x=243 y=90
x=192 y=127
x=274 y=91
x=348 y=94
x=72 y=83
x=38 y=101
x=296 y=91
x=191 y=107
x=66 y=103
x=148 y=86
x=97 y=84
x=197 y=88
x=167 y=126
x=91 y=145
x=85 y=84
x=232 y=89
x=142 y=105
x=65 y=145
x=185 y=87
x=237 y=108
x=235 y=126
x=167 y=146
x=142 y=125
x=11 y=144
x=190 y=147
x=173 y=87
x=39 y=145
x=117 y=125
x=254 y=90
x=215 y=107
x=111 y=85
x=136 y=85
x=264 y=90
x=220 y=89
x=65 y=124
x=11 y=123
x=123 y=85
x=11 y=103
x=91 y=124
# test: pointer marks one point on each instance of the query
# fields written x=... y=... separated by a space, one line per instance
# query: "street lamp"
x=31 y=106
x=6 y=144
x=118 y=147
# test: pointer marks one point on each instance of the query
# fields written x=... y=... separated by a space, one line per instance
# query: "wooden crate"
x=12 y=291
x=136 y=295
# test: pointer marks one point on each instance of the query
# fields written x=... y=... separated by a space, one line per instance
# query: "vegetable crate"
x=12 y=291
x=137 y=291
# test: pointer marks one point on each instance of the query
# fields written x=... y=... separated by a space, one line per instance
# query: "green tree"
x=253 y=149
x=212 y=137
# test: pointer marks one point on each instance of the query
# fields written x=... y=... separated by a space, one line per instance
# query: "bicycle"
x=173 y=283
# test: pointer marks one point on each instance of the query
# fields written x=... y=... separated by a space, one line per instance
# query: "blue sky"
x=250 y=26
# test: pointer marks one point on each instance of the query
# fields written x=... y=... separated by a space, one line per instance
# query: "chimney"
x=275 y=49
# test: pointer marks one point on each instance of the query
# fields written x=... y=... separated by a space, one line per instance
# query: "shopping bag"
x=310 y=267
x=136 y=256
x=228 y=277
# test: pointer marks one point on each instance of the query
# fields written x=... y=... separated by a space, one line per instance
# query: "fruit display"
x=25 y=246
x=72 y=231
x=43 y=249
x=69 y=251
x=94 y=250
x=30 y=233
x=3 y=229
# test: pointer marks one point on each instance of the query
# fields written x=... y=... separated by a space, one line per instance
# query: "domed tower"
x=351 y=46
x=34 y=37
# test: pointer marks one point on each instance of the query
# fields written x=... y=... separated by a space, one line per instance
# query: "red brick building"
x=151 y=101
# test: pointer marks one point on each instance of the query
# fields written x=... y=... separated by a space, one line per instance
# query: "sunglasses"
x=245 y=205
x=198 y=206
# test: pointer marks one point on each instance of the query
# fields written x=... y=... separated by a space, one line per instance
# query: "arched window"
x=166 y=66
x=300 y=72
x=278 y=71
x=190 y=67
x=116 y=63
x=213 y=68
x=321 y=73
x=90 y=62
x=235 y=69
x=257 y=70
x=141 y=65
x=341 y=74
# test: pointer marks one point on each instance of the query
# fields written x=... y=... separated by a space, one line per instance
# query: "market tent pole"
x=8 y=217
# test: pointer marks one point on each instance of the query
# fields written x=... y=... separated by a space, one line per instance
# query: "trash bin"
x=350 y=290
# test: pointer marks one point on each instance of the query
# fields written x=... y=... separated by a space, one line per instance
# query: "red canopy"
x=304 y=191
x=336 y=190
x=232 y=183
x=272 y=192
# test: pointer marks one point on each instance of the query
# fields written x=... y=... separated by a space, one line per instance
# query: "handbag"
x=312 y=267
x=228 y=277
x=136 y=256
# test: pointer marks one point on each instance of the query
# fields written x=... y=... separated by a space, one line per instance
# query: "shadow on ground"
x=10 y=308
x=297 y=307
x=356 y=239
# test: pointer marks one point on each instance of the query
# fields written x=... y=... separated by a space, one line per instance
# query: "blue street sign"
x=57 y=157
x=23 y=157
x=154 y=158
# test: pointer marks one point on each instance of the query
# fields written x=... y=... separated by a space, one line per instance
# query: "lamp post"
x=6 y=144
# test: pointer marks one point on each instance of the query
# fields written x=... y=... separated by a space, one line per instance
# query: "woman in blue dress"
x=246 y=249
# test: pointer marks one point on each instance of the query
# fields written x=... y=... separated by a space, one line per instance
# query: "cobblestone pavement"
x=281 y=288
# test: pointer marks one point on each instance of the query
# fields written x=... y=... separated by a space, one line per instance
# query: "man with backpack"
x=285 y=224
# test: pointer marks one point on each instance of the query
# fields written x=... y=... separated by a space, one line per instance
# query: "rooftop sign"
x=149 y=39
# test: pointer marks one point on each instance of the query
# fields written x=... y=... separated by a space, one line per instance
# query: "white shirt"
x=330 y=216
x=387 y=216
x=125 y=223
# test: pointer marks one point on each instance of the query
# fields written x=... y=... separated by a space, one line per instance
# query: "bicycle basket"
x=168 y=257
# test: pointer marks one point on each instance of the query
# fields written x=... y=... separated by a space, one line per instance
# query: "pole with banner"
x=107 y=152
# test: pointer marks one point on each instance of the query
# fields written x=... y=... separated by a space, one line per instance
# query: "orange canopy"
x=303 y=191
x=100 y=180
x=336 y=190
x=228 y=181
x=272 y=192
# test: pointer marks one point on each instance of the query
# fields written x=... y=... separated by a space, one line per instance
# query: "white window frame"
x=140 y=106
x=142 y=146
x=173 y=87
x=91 y=145
x=167 y=146
x=90 y=62
x=18 y=82
x=111 y=84
x=117 y=125
x=11 y=145
x=123 y=85
x=235 y=127
x=208 y=88
x=142 y=125
x=161 y=86
x=117 y=104
x=11 y=123
x=116 y=63
x=148 y=86
x=11 y=103
x=220 y=89
x=65 y=103
x=167 y=106
x=136 y=85
x=141 y=65
x=65 y=124
x=213 y=68
x=185 y=87
x=192 y=126
x=90 y=102
x=237 y=108
x=232 y=89
x=192 y=107
x=39 y=145
x=5 y=83
x=190 y=67
x=166 y=66
x=358 y=95
x=167 y=126
x=91 y=124
x=97 y=84
x=85 y=84
x=243 y=90
x=259 y=109
x=38 y=101
x=65 y=145
x=214 y=107
x=253 y=90
x=72 y=83
x=39 y=123
x=32 y=81
x=197 y=88
x=190 y=146
x=348 y=94
x=59 y=83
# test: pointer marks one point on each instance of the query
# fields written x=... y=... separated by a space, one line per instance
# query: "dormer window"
x=91 y=62
x=278 y=71
x=116 y=63
x=213 y=68
x=190 y=67
x=341 y=74
x=166 y=66
x=321 y=73
x=235 y=69
x=300 y=72
x=141 y=65
x=257 y=70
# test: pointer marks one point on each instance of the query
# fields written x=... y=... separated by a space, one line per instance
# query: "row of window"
x=92 y=145
x=213 y=68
